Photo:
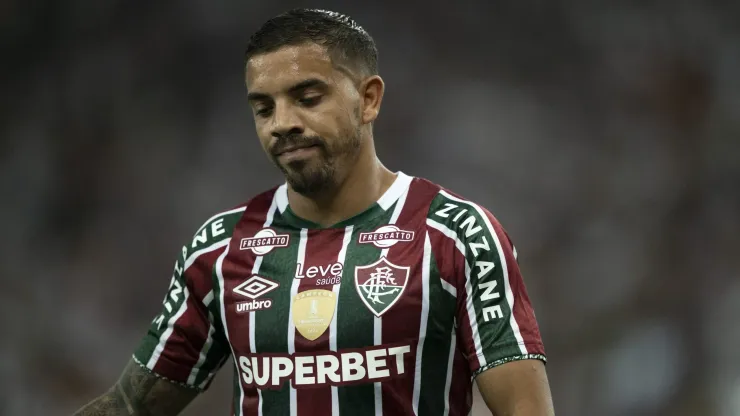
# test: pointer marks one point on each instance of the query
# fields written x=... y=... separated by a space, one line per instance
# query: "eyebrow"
x=309 y=83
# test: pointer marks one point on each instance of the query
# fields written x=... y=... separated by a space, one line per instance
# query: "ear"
x=371 y=91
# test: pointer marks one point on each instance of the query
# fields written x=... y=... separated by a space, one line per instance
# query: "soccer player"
x=350 y=289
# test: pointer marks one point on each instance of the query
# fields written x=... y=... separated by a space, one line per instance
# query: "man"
x=350 y=289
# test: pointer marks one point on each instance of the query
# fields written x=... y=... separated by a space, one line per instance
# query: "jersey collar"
x=399 y=188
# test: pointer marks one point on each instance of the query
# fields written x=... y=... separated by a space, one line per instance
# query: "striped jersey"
x=391 y=312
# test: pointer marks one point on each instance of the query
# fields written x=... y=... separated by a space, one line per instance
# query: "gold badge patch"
x=313 y=311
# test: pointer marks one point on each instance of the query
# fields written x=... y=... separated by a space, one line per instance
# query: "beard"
x=318 y=174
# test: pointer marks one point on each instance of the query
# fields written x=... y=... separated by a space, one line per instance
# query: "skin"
x=517 y=388
x=314 y=118
x=139 y=392
x=341 y=175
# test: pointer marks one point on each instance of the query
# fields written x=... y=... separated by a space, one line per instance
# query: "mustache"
x=287 y=143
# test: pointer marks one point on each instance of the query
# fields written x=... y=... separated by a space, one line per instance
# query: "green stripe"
x=271 y=325
x=237 y=392
x=146 y=347
x=354 y=321
x=372 y=213
x=219 y=348
x=437 y=204
x=496 y=336
x=159 y=325
x=442 y=306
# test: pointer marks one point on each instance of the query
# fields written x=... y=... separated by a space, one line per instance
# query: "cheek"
x=333 y=124
x=345 y=119
x=264 y=137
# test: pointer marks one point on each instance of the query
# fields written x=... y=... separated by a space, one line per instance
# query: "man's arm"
x=139 y=392
x=185 y=345
x=496 y=326
x=517 y=388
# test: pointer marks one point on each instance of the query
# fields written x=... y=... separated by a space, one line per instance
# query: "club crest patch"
x=381 y=284
x=313 y=311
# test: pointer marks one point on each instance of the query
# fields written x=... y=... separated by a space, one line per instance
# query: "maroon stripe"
x=449 y=259
x=237 y=267
x=198 y=275
x=250 y=407
x=465 y=340
x=182 y=349
x=523 y=312
x=322 y=250
x=403 y=320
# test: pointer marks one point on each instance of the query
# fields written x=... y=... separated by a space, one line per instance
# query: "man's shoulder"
x=219 y=227
x=459 y=217
x=446 y=201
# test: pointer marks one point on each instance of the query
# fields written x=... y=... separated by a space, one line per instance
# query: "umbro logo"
x=264 y=241
x=253 y=288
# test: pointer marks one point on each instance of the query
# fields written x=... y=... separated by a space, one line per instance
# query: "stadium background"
x=605 y=138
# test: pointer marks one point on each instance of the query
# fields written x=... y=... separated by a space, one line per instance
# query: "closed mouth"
x=290 y=149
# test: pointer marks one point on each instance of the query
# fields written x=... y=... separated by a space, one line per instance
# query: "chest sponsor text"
x=270 y=371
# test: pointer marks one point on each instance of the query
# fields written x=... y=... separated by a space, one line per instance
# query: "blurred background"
x=604 y=137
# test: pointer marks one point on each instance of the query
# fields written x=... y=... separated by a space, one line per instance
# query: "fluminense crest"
x=381 y=284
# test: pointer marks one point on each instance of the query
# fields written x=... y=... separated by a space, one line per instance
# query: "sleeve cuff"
x=169 y=380
x=505 y=360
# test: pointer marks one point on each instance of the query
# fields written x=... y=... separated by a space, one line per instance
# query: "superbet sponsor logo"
x=264 y=241
x=468 y=226
x=253 y=288
x=386 y=236
x=333 y=368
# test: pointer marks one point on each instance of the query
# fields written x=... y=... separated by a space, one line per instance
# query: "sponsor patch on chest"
x=322 y=275
x=264 y=241
x=386 y=236
x=270 y=371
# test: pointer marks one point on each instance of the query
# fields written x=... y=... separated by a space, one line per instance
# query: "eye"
x=263 y=112
x=310 y=101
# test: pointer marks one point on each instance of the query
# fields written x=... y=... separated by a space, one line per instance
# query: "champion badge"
x=313 y=311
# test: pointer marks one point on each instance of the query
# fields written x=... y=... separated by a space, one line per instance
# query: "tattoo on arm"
x=140 y=393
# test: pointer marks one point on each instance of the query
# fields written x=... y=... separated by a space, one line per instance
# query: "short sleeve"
x=184 y=344
x=495 y=318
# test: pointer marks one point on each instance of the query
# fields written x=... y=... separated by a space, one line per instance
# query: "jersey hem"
x=505 y=360
x=155 y=374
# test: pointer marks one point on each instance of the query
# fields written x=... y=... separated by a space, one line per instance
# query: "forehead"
x=288 y=65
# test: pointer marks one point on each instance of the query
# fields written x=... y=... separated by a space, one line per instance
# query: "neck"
x=365 y=183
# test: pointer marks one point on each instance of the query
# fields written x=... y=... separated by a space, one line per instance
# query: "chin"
x=311 y=183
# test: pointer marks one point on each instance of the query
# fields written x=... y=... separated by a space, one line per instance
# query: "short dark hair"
x=346 y=41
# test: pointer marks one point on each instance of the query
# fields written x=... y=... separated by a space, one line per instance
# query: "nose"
x=285 y=121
